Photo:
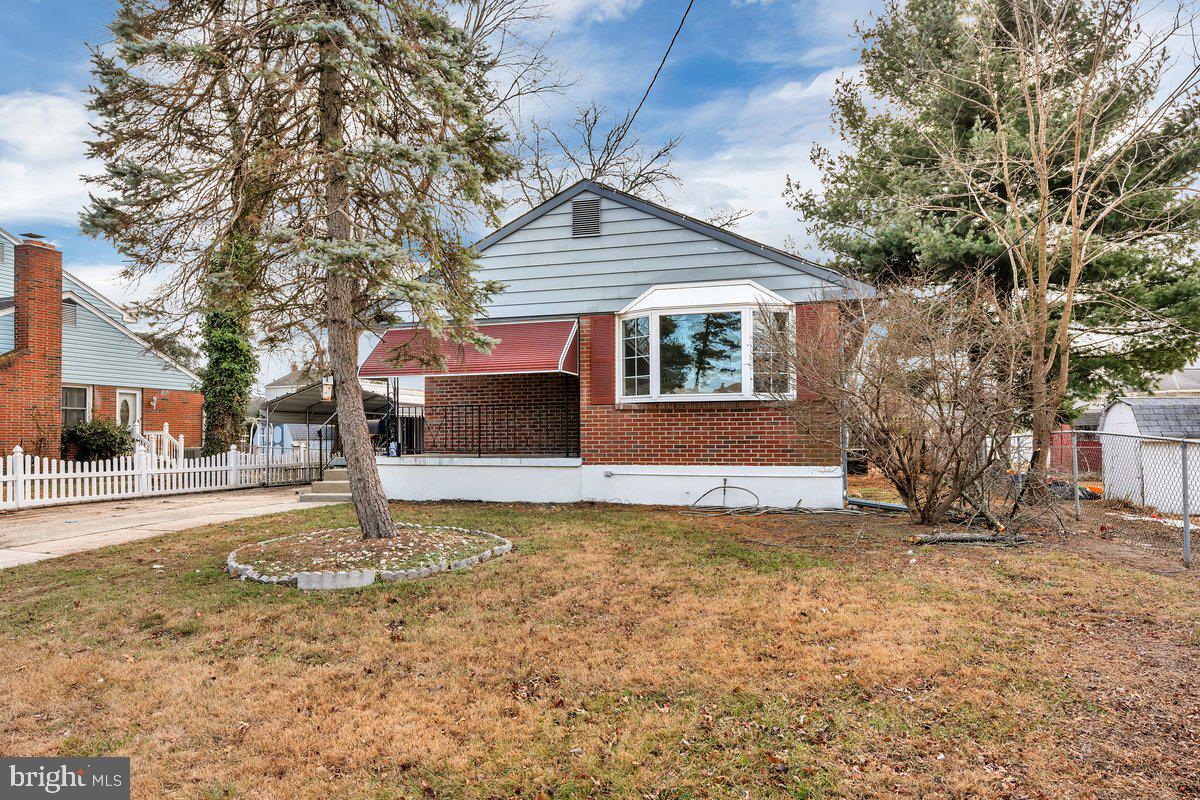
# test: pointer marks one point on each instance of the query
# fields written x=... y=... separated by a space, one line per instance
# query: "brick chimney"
x=31 y=374
x=38 y=300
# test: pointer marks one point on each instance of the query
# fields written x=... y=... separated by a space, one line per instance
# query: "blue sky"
x=747 y=85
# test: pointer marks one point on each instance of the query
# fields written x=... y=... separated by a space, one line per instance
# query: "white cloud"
x=42 y=157
x=574 y=11
x=762 y=138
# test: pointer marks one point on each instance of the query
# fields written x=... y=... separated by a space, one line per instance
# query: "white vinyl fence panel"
x=31 y=481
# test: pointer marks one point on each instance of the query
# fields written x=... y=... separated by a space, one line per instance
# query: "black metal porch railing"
x=478 y=429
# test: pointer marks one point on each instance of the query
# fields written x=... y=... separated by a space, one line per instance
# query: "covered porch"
x=520 y=401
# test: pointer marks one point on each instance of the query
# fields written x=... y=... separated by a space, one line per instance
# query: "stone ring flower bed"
x=339 y=558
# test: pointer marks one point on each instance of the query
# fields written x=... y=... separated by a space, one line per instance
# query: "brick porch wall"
x=533 y=414
x=746 y=433
x=181 y=409
x=31 y=373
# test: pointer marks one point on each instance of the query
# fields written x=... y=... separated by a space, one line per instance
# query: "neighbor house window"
x=74 y=404
x=719 y=353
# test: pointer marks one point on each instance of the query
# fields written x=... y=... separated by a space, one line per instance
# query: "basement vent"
x=585 y=217
x=69 y=313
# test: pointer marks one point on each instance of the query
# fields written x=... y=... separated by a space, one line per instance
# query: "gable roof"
x=691 y=223
x=117 y=308
x=117 y=325
x=1173 y=417
x=297 y=377
x=98 y=297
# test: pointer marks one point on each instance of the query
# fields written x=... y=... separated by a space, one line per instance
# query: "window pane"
x=700 y=353
x=772 y=350
x=74 y=397
x=635 y=365
x=74 y=404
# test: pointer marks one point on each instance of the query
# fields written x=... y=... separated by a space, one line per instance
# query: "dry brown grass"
x=617 y=652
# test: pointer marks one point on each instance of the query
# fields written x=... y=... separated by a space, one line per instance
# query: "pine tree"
x=176 y=122
x=1042 y=142
x=372 y=153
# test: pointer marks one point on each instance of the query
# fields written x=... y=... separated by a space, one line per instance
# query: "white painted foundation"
x=535 y=480
x=567 y=480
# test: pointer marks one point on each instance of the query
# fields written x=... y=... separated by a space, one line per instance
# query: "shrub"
x=97 y=439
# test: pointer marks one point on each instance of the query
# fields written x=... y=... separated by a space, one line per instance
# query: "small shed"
x=1141 y=439
x=1169 y=417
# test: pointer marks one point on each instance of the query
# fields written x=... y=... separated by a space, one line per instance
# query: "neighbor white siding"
x=6 y=290
x=7 y=271
x=94 y=352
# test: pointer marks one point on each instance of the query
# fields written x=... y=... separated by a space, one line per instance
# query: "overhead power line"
x=683 y=19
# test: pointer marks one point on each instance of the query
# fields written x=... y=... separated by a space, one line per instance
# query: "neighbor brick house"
x=630 y=367
x=67 y=353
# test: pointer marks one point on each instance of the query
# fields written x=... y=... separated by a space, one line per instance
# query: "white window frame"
x=87 y=416
x=655 y=395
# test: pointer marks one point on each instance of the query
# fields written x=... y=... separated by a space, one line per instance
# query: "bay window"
x=724 y=353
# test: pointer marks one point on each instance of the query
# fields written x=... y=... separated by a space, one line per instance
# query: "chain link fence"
x=1094 y=476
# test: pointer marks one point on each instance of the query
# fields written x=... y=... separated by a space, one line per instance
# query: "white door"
x=129 y=410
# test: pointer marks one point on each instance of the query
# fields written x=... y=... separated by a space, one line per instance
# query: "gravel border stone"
x=325 y=580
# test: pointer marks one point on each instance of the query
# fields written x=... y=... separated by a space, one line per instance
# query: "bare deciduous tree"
x=924 y=378
x=593 y=149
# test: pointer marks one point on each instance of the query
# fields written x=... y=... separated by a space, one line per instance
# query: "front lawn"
x=616 y=652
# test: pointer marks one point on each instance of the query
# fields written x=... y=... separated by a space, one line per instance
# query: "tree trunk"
x=365 y=486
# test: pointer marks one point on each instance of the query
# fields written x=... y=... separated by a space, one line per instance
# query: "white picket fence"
x=30 y=481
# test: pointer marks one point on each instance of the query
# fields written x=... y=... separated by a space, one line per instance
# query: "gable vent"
x=585 y=217
x=69 y=313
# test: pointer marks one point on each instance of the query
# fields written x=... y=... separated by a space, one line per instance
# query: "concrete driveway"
x=28 y=536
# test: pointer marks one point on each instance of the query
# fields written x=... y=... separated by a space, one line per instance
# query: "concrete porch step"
x=334 y=486
x=325 y=497
x=336 y=474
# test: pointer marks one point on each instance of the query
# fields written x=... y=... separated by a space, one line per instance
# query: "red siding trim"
x=603 y=344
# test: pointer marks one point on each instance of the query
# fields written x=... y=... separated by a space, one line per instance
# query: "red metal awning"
x=551 y=346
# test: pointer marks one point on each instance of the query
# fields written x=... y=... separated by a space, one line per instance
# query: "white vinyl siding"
x=94 y=352
x=6 y=332
x=6 y=268
x=547 y=272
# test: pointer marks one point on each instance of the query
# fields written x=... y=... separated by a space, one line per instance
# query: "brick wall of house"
x=181 y=409
x=31 y=373
x=532 y=413
x=750 y=433
x=747 y=433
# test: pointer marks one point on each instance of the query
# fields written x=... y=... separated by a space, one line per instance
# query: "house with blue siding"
x=67 y=353
x=637 y=360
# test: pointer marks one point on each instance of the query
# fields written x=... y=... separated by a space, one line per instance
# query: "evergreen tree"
x=371 y=153
x=1041 y=142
